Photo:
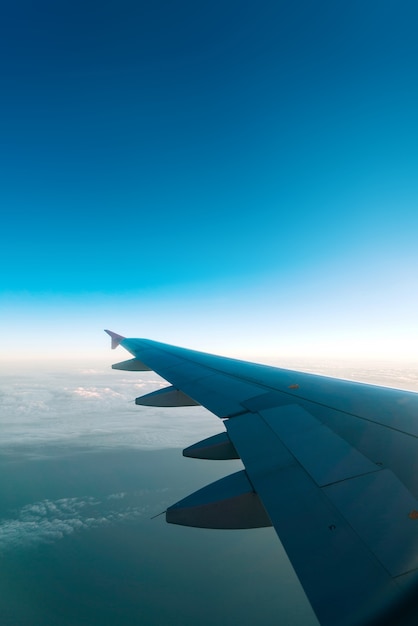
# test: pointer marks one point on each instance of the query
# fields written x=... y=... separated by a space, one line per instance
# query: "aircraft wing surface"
x=331 y=464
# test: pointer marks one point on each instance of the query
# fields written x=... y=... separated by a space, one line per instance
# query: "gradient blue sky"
x=236 y=177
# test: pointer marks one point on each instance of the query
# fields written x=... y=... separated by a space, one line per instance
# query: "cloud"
x=96 y=410
x=117 y=496
x=50 y=520
x=95 y=392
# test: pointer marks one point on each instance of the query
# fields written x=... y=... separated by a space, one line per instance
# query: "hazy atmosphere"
x=233 y=177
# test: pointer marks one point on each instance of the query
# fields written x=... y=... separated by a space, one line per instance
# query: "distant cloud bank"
x=94 y=408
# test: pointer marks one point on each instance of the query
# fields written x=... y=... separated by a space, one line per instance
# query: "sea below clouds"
x=84 y=472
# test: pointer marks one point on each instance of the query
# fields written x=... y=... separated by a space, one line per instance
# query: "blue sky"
x=231 y=176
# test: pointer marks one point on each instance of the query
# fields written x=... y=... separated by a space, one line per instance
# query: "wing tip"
x=116 y=339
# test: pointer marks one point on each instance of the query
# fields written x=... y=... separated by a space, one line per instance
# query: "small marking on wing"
x=413 y=515
x=293 y=386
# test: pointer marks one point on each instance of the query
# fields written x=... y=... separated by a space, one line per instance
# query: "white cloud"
x=95 y=392
x=50 y=520
x=117 y=496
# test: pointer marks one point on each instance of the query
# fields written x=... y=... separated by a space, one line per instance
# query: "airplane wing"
x=331 y=464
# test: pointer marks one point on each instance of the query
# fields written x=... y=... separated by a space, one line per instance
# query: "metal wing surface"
x=331 y=464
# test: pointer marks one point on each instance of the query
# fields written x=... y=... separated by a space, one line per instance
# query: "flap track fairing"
x=229 y=503
x=168 y=396
x=131 y=365
x=217 y=447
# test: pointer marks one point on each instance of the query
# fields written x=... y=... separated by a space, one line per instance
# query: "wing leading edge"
x=331 y=464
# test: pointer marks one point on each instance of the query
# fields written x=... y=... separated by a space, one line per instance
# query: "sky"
x=235 y=177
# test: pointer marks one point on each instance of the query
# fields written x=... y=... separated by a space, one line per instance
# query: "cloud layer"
x=94 y=408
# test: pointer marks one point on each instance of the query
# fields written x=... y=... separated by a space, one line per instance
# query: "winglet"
x=116 y=339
